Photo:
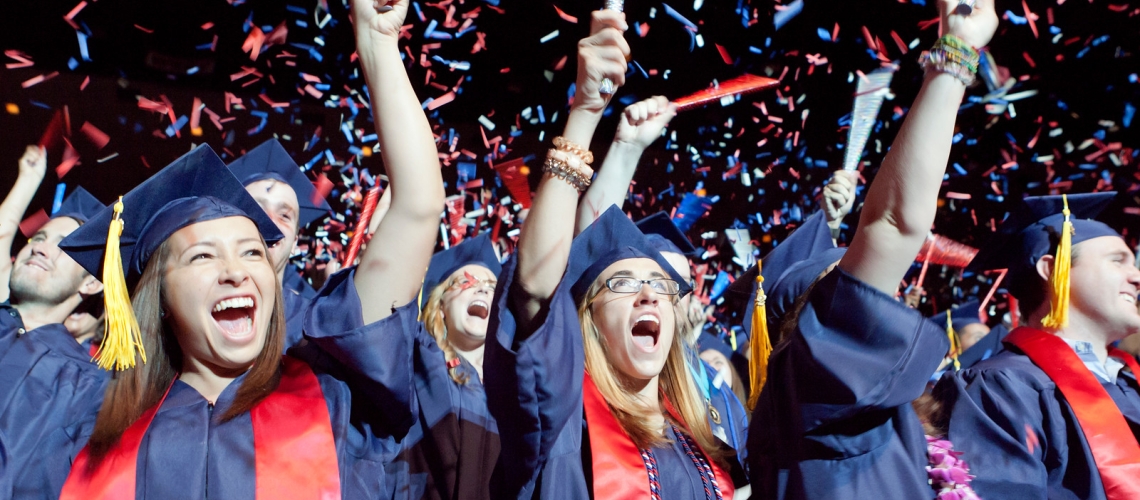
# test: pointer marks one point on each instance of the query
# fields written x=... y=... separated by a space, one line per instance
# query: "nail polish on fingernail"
x=386 y=8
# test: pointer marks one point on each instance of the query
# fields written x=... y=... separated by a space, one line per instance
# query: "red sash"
x=619 y=471
x=292 y=438
x=1113 y=445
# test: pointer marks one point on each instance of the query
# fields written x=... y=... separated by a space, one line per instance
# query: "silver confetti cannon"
x=869 y=95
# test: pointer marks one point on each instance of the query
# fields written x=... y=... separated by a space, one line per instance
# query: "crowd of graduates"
x=160 y=346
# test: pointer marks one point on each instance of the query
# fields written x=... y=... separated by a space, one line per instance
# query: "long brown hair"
x=432 y=318
x=131 y=392
x=628 y=408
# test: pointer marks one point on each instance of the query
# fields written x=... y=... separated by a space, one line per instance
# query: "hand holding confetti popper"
x=608 y=86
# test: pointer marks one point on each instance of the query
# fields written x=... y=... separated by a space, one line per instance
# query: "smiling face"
x=635 y=329
x=42 y=273
x=280 y=202
x=1104 y=285
x=219 y=293
x=466 y=305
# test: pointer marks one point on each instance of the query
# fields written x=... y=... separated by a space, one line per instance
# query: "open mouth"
x=646 y=331
x=235 y=316
x=1131 y=299
x=37 y=263
x=480 y=309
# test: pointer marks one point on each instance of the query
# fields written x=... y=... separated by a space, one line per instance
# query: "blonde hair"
x=432 y=318
x=675 y=382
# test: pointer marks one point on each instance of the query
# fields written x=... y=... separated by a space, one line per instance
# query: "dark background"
x=1083 y=67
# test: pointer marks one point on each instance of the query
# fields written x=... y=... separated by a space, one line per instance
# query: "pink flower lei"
x=949 y=474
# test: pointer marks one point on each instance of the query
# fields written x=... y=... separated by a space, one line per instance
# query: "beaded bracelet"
x=953 y=56
x=559 y=164
x=562 y=144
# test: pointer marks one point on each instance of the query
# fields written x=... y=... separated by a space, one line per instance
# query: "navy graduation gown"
x=452 y=449
x=47 y=381
x=534 y=387
x=186 y=453
x=1018 y=433
x=297 y=295
x=835 y=418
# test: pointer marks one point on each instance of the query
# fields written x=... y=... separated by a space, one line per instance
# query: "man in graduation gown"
x=45 y=374
x=1056 y=414
x=273 y=179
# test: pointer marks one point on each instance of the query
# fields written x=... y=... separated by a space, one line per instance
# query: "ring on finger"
x=965 y=7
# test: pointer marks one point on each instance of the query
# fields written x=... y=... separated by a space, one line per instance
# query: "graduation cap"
x=269 y=160
x=1042 y=225
x=788 y=269
x=954 y=320
x=116 y=244
x=665 y=236
x=707 y=341
x=79 y=205
x=776 y=282
x=612 y=237
x=478 y=251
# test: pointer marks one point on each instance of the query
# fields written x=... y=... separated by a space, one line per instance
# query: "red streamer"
x=743 y=84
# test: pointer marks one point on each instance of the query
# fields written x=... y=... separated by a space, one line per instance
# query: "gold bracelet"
x=559 y=164
x=563 y=144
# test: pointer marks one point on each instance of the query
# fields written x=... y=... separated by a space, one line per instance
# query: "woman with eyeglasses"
x=586 y=368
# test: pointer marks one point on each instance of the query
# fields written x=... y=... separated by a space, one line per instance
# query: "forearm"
x=610 y=185
x=544 y=243
x=12 y=212
x=391 y=269
x=902 y=201
x=407 y=144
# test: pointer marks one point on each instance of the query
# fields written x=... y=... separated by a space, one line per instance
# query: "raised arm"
x=901 y=202
x=641 y=124
x=32 y=168
x=392 y=268
x=544 y=244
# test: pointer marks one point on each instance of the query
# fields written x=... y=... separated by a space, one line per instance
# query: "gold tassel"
x=954 y=342
x=1059 y=281
x=761 y=345
x=121 y=333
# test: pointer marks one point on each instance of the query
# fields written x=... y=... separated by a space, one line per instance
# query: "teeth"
x=239 y=302
x=1129 y=298
x=648 y=317
x=481 y=303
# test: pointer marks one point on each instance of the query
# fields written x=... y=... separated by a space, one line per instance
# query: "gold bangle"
x=559 y=164
x=563 y=144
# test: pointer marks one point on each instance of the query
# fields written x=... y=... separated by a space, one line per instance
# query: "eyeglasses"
x=633 y=285
x=467 y=281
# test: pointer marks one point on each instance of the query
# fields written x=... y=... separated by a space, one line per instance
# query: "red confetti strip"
x=32 y=224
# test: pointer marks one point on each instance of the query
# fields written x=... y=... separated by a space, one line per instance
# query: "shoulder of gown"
x=1012 y=426
x=375 y=360
x=534 y=387
x=837 y=400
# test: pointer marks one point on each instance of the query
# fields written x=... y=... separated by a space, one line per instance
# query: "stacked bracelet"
x=953 y=56
x=562 y=144
x=569 y=168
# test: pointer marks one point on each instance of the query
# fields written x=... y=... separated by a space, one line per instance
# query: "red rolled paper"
x=370 y=201
x=743 y=84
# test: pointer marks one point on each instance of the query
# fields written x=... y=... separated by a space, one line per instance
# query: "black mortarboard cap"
x=789 y=269
x=612 y=237
x=661 y=232
x=478 y=250
x=194 y=188
x=1034 y=230
x=79 y=205
x=269 y=160
x=960 y=317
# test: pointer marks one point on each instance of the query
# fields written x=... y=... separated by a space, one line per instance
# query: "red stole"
x=619 y=471
x=292 y=438
x=1111 y=441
